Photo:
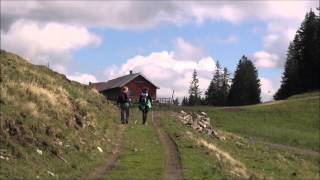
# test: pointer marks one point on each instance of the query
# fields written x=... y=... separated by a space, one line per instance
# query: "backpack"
x=145 y=103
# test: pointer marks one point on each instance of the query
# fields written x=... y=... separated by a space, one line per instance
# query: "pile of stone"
x=199 y=122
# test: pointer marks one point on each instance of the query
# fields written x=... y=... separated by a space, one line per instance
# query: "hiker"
x=124 y=103
x=145 y=103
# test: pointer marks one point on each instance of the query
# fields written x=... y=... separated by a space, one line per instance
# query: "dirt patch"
x=111 y=159
x=173 y=167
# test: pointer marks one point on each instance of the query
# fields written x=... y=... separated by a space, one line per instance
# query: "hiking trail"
x=173 y=167
x=285 y=147
x=110 y=160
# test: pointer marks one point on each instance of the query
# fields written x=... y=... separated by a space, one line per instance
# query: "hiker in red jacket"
x=145 y=103
x=124 y=103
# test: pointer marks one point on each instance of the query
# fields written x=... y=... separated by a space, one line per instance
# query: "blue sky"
x=118 y=46
x=97 y=41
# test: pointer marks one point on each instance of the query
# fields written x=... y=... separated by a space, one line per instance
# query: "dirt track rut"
x=173 y=167
x=102 y=170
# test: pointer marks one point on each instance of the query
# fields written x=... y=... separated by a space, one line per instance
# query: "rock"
x=199 y=122
x=207 y=119
x=199 y=128
x=218 y=156
x=203 y=113
x=215 y=133
x=234 y=173
x=5 y=158
x=58 y=142
x=194 y=125
x=51 y=173
x=187 y=118
x=198 y=116
x=239 y=144
x=39 y=151
x=99 y=148
x=82 y=142
x=202 y=124
x=208 y=124
x=208 y=131
x=182 y=112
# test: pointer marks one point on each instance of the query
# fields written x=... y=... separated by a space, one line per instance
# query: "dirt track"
x=110 y=161
x=173 y=167
x=289 y=148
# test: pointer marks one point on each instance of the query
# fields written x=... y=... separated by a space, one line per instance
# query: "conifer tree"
x=290 y=79
x=194 y=91
x=184 y=101
x=245 y=88
x=217 y=92
x=225 y=87
x=213 y=92
x=309 y=63
x=176 y=101
x=302 y=67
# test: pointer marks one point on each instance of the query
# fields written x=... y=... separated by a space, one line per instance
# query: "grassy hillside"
x=259 y=160
x=49 y=124
x=53 y=128
x=294 y=122
x=277 y=140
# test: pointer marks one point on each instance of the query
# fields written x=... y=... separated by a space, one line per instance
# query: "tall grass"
x=43 y=110
x=294 y=122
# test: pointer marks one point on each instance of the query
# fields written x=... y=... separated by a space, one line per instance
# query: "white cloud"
x=170 y=73
x=268 y=89
x=166 y=71
x=82 y=78
x=142 y=15
x=223 y=40
x=239 y=11
x=119 y=15
x=263 y=59
x=279 y=35
x=186 y=50
x=231 y=39
x=51 y=31
x=50 y=43
x=276 y=40
x=212 y=11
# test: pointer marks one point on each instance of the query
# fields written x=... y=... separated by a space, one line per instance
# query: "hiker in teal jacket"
x=145 y=104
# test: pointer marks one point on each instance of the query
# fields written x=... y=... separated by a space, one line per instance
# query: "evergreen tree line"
x=243 y=89
x=302 y=67
x=301 y=73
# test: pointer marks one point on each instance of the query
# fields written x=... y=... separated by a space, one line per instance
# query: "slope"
x=278 y=140
x=50 y=126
